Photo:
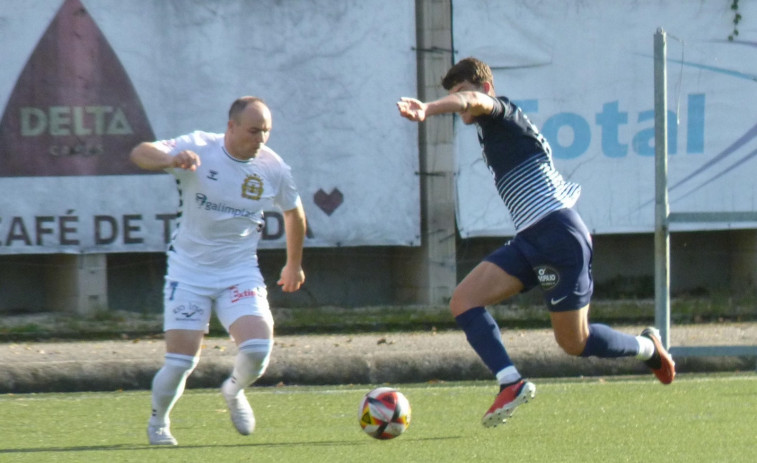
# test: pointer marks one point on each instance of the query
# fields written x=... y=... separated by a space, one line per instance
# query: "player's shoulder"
x=193 y=140
x=501 y=100
x=200 y=137
x=503 y=107
x=269 y=156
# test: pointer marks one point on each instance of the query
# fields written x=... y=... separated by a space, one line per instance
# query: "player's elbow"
x=135 y=156
x=144 y=155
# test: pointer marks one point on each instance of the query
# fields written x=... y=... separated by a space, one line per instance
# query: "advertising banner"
x=583 y=72
x=84 y=81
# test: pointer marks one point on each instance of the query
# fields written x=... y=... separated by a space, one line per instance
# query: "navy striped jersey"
x=520 y=159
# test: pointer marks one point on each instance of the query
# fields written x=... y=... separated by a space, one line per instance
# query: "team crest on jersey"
x=252 y=188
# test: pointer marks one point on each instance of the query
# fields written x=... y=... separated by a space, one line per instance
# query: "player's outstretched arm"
x=147 y=156
x=412 y=109
x=295 y=226
x=474 y=103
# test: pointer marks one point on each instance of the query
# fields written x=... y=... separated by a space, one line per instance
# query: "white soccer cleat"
x=240 y=411
x=160 y=435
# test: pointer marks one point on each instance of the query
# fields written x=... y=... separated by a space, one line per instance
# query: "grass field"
x=696 y=419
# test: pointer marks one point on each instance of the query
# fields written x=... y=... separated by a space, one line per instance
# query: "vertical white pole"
x=428 y=274
x=662 y=210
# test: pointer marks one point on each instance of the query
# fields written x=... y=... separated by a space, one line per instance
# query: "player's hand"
x=412 y=109
x=291 y=278
x=188 y=160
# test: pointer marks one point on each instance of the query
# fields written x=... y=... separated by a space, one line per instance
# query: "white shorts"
x=188 y=307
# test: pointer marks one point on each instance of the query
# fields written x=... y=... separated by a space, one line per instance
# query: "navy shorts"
x=556 y=254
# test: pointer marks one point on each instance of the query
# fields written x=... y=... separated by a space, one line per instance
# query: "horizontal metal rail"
x=713 y=351
x=688 y=217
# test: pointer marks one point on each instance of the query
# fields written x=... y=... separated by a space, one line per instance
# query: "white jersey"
x=221 y=204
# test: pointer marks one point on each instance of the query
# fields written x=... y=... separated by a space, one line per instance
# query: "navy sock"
x=484 y=336
x=606 y=342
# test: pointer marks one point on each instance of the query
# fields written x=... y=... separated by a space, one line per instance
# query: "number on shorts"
x=173 y=285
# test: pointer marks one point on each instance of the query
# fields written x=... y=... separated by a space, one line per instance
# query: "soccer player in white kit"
x=225 y=182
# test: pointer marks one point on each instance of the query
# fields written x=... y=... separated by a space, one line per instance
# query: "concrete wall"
x=703 y=263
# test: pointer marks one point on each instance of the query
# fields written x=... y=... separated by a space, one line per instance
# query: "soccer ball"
x=384 y=413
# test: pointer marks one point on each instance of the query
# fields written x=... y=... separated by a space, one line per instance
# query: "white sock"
x=508 y=375
x=168 y=385
x=249 y=365
x=646 y=348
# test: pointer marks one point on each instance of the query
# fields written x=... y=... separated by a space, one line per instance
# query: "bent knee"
x=458 y=303
x=571 y=345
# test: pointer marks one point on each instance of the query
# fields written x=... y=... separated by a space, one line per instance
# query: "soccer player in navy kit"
x=225 y=181
x=552 y=247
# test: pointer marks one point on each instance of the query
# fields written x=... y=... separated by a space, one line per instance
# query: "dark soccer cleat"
x=506 y=402
x=661 y=363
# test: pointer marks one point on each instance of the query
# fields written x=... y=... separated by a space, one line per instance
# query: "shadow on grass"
x=122 y=447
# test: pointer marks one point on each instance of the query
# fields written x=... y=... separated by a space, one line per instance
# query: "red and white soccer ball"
x=384 y=413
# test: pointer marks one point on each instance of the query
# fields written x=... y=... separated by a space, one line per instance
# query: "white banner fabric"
x=330 y=71
x=583 y=72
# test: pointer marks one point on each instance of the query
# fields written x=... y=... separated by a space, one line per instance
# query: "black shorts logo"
x=548 y=277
